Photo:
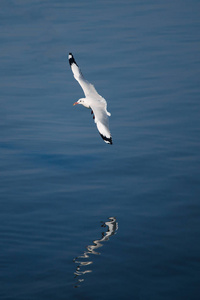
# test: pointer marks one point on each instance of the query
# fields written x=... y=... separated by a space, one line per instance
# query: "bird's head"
x=82 y=101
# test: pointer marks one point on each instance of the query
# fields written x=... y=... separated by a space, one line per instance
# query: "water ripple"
x=81 y=270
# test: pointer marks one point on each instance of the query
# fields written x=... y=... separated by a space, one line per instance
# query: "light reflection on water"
x=112 y=227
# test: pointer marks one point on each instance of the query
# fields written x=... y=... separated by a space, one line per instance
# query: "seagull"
x=93 y=101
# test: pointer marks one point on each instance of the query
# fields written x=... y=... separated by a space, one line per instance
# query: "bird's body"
x=93 y=101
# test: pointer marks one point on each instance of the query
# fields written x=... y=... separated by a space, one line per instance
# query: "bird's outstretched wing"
x=101 y=120
x=87 y=87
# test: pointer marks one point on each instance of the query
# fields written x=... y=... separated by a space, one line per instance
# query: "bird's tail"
x=109 y=114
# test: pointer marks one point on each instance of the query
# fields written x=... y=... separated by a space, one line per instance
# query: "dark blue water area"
x=81 y=219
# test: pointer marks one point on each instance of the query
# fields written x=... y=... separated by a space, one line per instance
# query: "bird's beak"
x=75 y=103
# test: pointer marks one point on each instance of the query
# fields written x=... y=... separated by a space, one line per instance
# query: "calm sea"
x=80 y=219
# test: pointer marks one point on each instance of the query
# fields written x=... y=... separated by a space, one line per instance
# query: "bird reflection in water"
x=83 y=260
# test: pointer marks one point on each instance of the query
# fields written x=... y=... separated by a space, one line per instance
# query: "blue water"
x=81 y=219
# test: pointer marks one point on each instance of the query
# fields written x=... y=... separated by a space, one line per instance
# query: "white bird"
x=94 y=101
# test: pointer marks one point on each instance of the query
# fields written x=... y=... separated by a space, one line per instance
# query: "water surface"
x=59 y=182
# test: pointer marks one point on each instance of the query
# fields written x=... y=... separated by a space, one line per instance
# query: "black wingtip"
x=71 y=59
x=107 y=140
